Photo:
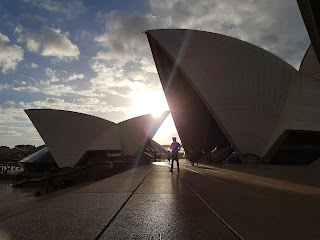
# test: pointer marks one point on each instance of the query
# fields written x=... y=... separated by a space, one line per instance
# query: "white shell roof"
x=252 y=94
x=68 y=135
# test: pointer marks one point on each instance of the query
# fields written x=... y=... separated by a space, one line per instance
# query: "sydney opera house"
x=71 y=138
x=227 y=93
x=223 y=94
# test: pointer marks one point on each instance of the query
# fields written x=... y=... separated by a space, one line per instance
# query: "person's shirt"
x=175 y=146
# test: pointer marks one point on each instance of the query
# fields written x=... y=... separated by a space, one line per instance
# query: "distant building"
x=4 y=149
x=24 y=148
x=41 y=160
x=224 y=92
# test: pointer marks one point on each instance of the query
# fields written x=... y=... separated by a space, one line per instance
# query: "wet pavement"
x=11 y=198
x=149 y=202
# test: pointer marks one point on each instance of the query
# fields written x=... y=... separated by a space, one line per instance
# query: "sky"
x=92 y=57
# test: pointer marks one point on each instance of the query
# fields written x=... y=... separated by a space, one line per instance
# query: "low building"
x=39 y=161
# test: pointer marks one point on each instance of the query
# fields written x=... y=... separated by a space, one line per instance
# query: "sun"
x=147 y=102
x=157 y=113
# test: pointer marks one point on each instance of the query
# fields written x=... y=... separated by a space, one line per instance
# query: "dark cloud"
x=124 y=33
x=271 y=38
x=271 y=24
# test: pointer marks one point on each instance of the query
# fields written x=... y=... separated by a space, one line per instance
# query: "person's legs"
x=171 y=165
x=178 y=165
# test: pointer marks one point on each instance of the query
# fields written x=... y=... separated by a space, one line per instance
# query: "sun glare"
x=157 y=113
x=148 y=101
x=153 y=102
x=166 y=131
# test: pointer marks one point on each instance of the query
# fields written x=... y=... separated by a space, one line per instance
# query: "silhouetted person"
x=175 y=146
x=192 y=157
x=196 y=157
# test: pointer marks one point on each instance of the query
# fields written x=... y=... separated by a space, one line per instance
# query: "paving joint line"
x=213 y=211
x=122 y=206
x=204 y=174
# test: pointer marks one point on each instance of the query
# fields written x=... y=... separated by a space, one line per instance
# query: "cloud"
x=12 y=115
x=123 y=36
x=10 y=55
x=32 y=131
x=75 y=77
x=115 y=80
x=58 y=90
x=25 y=89
x=87 y=101
x=33 y=45
x=18 y=29
x=69 y=9
x=53 y=78
x=83 y=34
x=52 y=42
x=50 y=89
x=54 y=101
x=34 y=65
x=35 y=139
x=137 y=75
x=276 y=26
x=126 y=63
x=9 y=133
x=9 y=104
x=89 y=106
x=147 y=64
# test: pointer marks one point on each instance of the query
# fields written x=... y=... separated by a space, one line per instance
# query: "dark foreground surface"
x=204 y=202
